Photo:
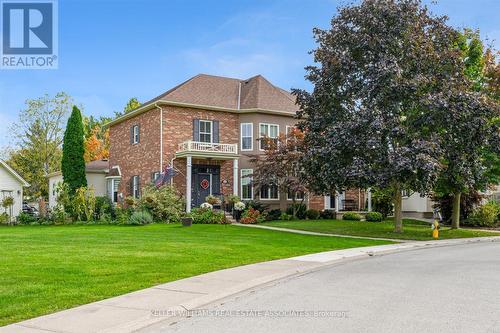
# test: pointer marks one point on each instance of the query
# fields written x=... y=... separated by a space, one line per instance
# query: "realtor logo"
x=29 y=34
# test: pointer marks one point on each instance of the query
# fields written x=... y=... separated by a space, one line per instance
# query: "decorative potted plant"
x=206 y=205
x=212 y=200
x=187 y=221
x=238 y=208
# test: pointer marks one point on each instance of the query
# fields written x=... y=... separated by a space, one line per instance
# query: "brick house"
x=206 y=128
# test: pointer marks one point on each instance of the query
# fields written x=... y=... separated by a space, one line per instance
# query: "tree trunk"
x=398 y=205
x=455 y=216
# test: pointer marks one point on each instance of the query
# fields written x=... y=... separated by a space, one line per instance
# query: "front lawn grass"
x=412 y=229
x=44 y=269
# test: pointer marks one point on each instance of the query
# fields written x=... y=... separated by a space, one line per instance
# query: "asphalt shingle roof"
x=253 y=93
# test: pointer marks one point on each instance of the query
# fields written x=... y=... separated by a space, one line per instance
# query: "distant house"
x=416 y=206
x=11 y=185
x=96 y=173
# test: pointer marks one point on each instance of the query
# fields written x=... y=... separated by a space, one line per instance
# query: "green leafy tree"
x=73 y=162
x=469 y=130
x=368 y=121
x=39 y=135
x=132 y=104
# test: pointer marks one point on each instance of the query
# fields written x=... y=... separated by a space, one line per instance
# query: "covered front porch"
x=354 y=200
x=208 y=170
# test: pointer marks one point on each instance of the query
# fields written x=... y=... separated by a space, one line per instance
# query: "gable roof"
x=99 y=166
x=224 y=94
x=14 y=173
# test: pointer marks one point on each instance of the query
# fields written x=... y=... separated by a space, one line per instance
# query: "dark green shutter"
x=196 y=130
x=215 y=125
x=138 y=186
x=132 y=135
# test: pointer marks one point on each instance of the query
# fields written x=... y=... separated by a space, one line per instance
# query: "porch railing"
x=196 y=146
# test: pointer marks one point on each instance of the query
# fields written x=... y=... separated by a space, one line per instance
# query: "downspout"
x=161 y=136
x=172 y=165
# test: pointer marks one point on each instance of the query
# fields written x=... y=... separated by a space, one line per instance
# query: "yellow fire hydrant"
x=435 y=229
x=435 y=226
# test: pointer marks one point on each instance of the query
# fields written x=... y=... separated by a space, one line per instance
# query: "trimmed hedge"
x=374 y=217
x=273 y=215
x=312 y=214
x=328 y=214
x=351 y=216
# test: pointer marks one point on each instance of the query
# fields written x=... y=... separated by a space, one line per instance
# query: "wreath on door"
x=204 y=184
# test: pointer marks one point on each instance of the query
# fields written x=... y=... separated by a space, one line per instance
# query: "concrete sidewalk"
x=140 y=309
x=313 y=233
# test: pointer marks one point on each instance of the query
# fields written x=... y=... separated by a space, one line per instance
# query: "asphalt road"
x=447 y=289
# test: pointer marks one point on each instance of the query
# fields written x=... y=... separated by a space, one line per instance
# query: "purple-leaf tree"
x=368 y=120
x=280 y=166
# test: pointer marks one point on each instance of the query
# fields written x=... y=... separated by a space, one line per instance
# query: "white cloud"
x=240 y=58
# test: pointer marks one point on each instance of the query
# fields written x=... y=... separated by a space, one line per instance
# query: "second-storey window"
x=246 y=136
x=135 y=135
x=269 y=131
x=206 y=131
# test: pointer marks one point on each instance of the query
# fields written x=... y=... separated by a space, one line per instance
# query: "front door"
x=206 y=181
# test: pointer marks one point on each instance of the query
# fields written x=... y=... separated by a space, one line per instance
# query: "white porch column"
x=189 y=161
x=369 y=199
x=235 y=177
x=337 y=201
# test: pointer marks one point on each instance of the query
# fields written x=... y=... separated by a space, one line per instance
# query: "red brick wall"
x=140 y=159
x=144 y=158
x=316 y=202
x=178 y=127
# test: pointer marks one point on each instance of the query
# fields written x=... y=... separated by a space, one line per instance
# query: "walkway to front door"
x=206 y=181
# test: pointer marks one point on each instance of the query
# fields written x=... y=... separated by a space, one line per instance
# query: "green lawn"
x=46 y=269
x=413 y=229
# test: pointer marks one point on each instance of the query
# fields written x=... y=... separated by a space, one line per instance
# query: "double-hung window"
x=206 y=131
x=113 y=186
x=246 y=136
x=136 y=191
x=246 y=184
x=269 y=192
x=298 y=195
x=135 y=135
x=269 y=131
x=155 y=175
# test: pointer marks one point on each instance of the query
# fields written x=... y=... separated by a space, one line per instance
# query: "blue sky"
x=111 y=50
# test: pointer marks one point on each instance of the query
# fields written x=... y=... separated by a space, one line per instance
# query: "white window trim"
x=112 y=181
x=269 y=129
x=156 y=175
x=291 y=199
x=135 y=187
x=251 y=136
x=241 y=184
x=269 y=194
x=135 y=140
x=205 y=133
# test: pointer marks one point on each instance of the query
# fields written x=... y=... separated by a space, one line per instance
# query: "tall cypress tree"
x=73 y=163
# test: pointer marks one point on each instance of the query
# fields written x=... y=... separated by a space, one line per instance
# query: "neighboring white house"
x=96 y=173
x=417 y=206
x=11 y=185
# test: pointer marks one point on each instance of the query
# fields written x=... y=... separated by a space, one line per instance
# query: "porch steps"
x=229 y=217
